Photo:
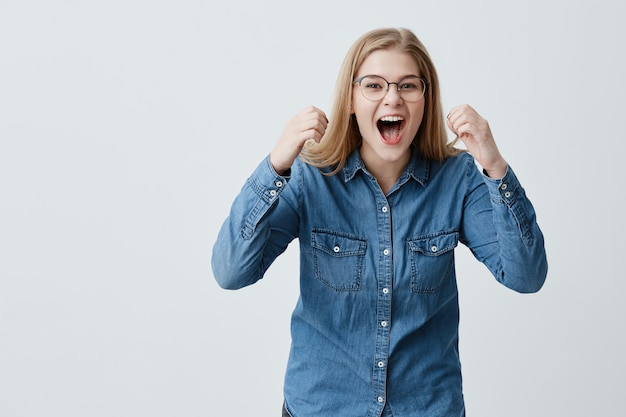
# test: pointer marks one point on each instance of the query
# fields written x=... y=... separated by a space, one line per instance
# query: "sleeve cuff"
x=503 y=190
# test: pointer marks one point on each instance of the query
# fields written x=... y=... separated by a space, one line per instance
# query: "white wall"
x=127 y=127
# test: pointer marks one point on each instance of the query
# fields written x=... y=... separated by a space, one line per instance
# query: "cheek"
x=363 y=109
x=418 y=116
x=364 y=121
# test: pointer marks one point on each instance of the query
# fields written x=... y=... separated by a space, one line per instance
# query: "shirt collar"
x=417 y=168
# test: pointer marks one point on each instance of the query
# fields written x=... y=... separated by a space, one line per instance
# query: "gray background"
x=127 y=128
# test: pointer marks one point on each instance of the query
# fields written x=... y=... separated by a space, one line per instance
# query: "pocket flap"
x=337 y=244
x=434 y=244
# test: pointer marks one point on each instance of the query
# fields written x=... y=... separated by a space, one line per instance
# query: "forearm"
x=247 y=242
x=514 y=252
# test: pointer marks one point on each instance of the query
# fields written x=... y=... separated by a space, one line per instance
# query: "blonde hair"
x=343 y=135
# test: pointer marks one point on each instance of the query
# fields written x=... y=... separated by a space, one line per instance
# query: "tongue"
x=390 y=132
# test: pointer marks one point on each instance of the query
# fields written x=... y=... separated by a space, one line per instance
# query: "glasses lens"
x=411 y=88
x=373 y=87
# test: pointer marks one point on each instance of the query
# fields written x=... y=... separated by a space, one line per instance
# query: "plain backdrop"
x=127 y=127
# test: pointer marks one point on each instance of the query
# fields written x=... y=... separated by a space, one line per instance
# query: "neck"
x=387 y=173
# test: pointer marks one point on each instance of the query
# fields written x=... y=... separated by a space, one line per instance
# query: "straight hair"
x=343 y=136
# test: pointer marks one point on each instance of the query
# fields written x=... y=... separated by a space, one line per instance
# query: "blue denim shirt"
x=376 y=323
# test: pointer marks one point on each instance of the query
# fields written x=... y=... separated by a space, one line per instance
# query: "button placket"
x=383 y=307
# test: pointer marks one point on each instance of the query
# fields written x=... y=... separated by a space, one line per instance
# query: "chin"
x=393 y=155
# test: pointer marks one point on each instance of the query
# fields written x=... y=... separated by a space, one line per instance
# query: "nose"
x=392 y=96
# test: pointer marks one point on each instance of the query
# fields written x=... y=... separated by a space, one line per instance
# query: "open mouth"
x=390 y=128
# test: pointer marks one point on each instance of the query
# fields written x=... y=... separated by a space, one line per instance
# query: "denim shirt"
x=376 y=323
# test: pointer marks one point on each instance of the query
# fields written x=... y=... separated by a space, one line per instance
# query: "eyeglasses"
x=375 y=87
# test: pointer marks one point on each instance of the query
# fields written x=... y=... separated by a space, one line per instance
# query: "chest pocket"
x=432 y=260
x=338 y=259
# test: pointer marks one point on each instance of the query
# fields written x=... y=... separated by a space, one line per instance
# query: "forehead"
x=390 y=63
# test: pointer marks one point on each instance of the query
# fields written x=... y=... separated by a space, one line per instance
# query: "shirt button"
x=507 y=194
x=385 y=209
x=380 y=399
x=279 y=184
x=385 y=290
x=273 y=193
x=336 y=248
x=381 y=364
x=503 y=186
x=434 y=249
x=386 y=252
x=383 y=323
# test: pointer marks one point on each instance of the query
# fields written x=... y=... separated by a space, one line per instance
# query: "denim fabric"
x=376 y=322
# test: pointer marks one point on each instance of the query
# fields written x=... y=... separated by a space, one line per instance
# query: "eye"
x=373 y=85
x=412 y=83
x=408 y=86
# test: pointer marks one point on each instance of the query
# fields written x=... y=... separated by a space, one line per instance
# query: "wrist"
x=497 y=170
x=279 y=168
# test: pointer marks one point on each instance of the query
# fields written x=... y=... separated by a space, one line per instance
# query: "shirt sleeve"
x=501 y=230
x=259 y=227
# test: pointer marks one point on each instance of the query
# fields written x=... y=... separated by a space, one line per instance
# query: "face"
x=389 y=125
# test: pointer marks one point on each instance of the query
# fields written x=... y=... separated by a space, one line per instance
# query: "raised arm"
x=501 y=230
x=264 y=216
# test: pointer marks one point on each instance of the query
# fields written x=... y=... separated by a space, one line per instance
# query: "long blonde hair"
x=343 y=135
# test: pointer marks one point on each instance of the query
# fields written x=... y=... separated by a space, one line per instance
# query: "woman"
x=379 y=200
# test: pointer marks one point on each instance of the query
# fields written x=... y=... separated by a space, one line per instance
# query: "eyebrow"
x=384 y=78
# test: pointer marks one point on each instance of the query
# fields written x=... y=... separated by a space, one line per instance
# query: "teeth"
x=391 y=119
